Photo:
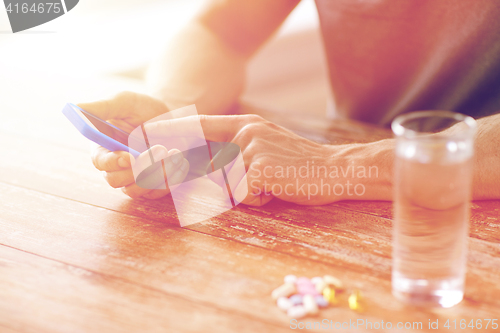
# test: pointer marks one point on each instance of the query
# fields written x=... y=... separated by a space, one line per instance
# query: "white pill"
x=290 y=278
x=310 y=304
x=320 y=286
x=316 y=279
x=284 y=290
x=333 y=281
x=297 y=311
x=284 y=303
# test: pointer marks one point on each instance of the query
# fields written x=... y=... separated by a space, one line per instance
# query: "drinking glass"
x=432 y=192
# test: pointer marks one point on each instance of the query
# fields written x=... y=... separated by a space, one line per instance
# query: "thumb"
x=120 y=106
x=124 y=105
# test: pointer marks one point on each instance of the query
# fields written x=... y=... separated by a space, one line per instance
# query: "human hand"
x=128 y=110
x=282 y=164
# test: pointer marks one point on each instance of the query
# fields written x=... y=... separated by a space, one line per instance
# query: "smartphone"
x=98 y=130
x=113 y=138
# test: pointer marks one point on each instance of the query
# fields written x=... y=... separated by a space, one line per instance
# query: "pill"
x=316 y=279
x=284 y=303
x=285 y=289
x=329 y=295
x=355 y=301
x=321 y=301
x=320 y=286
x=303 y=280
x=290 y=278
x=310 y=304
x=297 y=311
x=305 y=289
x=306 y=286
x=296 y=299
x=333 y=281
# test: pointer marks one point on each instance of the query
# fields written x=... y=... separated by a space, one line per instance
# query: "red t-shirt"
x=387 y=57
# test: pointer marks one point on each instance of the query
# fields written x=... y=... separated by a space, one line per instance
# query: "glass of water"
x=432 y=193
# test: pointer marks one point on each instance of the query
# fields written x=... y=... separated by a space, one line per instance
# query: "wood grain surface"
x=79 y=256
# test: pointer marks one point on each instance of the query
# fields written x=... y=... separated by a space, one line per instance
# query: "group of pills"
x=303 y=296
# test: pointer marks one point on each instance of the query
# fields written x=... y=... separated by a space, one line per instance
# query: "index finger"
x=215 y=128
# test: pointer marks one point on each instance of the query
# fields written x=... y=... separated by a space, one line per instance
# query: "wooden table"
x=79 y=256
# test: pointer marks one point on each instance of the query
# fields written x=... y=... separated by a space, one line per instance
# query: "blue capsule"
x=296 y=299
x=321 y=301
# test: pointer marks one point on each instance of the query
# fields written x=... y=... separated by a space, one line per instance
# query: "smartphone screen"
x=105 y=128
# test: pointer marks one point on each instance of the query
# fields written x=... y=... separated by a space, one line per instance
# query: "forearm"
x=365 y=171
x=205 y=64
x=380 y=157
x=198 y=68
x=487 y=159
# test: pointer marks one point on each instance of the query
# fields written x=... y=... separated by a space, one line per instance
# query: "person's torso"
x=387 y=57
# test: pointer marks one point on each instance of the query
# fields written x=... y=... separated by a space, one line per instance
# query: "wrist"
x=361 y=171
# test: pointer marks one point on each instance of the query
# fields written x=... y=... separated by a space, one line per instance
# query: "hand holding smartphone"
x=98 y=130
x=114 y=139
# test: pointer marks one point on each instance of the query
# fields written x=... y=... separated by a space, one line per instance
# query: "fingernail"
x=160 y=154
x=177 y=158
x=122 y=162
